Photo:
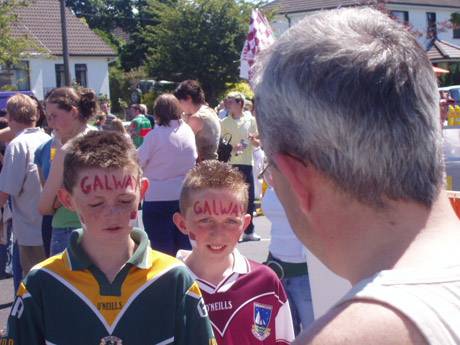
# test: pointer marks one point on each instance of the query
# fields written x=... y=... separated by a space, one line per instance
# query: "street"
x=254 y=250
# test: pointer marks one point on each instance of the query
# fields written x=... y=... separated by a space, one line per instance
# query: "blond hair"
x=22 y=109
x=212 y=174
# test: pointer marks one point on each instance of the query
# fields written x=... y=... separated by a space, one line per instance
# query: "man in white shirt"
x=19 y=179
x=347 y=107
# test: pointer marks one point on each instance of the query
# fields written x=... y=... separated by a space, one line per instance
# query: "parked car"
x=5 y=95
x=454 y=92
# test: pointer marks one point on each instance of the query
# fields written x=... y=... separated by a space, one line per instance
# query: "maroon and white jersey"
x=249 y=306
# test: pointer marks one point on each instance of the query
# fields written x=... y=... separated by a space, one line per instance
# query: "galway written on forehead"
x=212 y=207
x=107 y=182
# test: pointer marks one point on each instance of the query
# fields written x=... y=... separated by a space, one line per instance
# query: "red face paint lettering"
x=97 y=183
x=196 y=208
x=207 y=208
x=214 y=209
x=106 y=180
x=118 y=184
x=85 y=188
x=235 y=211
x=129 y=182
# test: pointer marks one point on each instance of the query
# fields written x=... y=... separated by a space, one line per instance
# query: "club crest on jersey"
x=262 y=316
x=111 y=340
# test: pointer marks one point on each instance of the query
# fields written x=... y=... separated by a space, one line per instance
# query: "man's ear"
x=65 y=198
x=298 y=176
x=144 y=186
x=179 y=221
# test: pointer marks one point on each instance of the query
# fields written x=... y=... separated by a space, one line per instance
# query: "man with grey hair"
x=347 y=108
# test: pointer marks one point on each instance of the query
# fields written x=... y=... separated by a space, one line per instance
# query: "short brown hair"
x=167 y=108
x=190 y=88
x=213 y=174
x=22 y=109
x=84 y=100
x=98 y=150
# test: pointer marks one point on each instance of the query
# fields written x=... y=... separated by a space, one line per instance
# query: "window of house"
x=15 y=76
x=456 y=32
x=400 y=16
x=431 y=30
x=81 y=74
x=60 y=75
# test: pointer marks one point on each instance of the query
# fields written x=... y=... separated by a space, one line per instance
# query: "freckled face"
x=216 y=219
x=107 y=200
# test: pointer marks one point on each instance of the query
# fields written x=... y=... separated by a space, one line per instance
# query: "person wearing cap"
x=242 y=129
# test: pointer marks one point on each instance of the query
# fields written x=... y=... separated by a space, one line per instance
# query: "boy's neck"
x=213 y=271
x=109 y=256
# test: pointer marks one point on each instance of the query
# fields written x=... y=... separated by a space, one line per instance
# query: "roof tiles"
x=41 y=20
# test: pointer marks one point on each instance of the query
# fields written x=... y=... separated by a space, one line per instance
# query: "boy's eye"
x=232 y=221
x=96 y=204
x=126 y=201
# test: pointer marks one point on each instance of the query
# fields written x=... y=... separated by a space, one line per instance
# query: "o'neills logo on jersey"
x=217 y=306
x=109 y=305
x=111 y=340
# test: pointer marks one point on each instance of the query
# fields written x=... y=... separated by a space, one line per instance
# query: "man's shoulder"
x=362 y=322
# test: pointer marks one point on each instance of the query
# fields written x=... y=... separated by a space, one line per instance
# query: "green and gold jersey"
x=66 y=300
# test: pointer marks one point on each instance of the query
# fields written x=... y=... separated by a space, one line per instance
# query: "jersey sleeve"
x=284 y=327
x=25 y=323
x=193 y=326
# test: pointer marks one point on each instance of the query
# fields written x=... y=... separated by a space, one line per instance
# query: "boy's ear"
x=179 y=220
x=144 y=186
x=65 y=198
x=246 y=221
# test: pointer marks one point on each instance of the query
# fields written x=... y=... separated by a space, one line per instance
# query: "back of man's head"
x=352 y=93
x=22 y=109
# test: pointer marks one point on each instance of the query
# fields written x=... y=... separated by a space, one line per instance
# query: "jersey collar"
x=79 y=260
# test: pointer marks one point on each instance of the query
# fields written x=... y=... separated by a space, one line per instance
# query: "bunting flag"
x=260 y=36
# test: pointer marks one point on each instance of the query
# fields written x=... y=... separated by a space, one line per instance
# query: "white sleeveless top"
x=430 y=299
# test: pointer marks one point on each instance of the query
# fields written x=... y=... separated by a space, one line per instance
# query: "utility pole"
x=65 y=49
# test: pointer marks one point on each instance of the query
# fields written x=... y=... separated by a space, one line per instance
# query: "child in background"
x=245 y=300
x=108 y=286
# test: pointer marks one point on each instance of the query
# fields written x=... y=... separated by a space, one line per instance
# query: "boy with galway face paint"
x=108 y=286
x=245 y=300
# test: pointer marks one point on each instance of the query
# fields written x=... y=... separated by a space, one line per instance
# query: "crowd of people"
x=361 y=187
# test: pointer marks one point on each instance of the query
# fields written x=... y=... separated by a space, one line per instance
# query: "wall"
x=43 y=73
x=417 y=18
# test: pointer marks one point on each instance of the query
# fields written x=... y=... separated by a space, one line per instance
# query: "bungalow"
x=43 y=69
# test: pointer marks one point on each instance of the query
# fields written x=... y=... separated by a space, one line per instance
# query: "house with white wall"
x=425 y=17
x=43 y=69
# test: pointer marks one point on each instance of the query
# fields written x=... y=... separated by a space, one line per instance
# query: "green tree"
x=197 y=39
x=11 y=46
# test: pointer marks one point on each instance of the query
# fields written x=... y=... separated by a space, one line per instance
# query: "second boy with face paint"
x=246 y=301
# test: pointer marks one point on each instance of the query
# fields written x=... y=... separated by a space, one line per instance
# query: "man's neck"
x=212 y=271
x=237 y=115
x=19 y=127
x=406 y=236
x=109 y=256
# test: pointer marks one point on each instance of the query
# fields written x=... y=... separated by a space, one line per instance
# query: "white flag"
x=260 y=36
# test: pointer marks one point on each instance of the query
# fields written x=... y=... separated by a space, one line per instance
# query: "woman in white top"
x=166 y=155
